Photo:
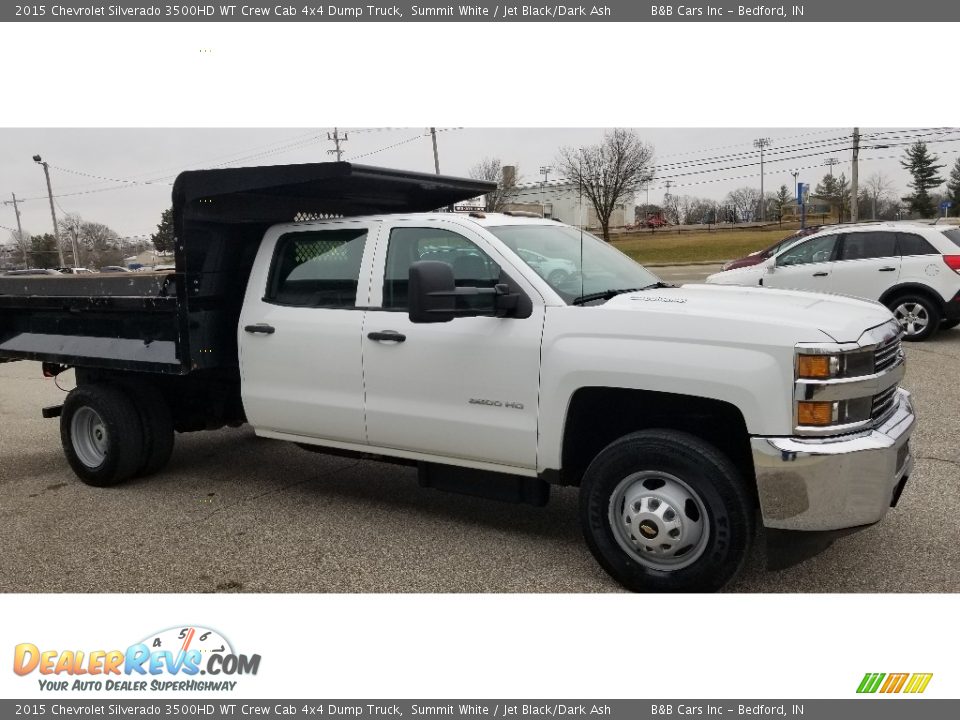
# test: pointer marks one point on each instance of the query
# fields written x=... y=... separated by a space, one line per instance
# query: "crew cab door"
x=463 y=389
x=867 y=264
x=299 y=334
x=805 y=266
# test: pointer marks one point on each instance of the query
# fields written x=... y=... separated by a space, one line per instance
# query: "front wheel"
x=918 y=316
x=664 y=511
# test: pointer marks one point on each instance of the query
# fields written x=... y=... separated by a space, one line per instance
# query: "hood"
x=843 y=319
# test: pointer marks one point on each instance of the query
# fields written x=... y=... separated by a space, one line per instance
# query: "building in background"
x=562 y=200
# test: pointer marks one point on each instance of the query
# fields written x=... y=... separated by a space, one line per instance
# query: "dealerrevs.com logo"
x=909 y=683
x=172 y=659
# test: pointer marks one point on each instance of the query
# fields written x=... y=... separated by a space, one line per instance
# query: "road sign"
x=946 y=205
x=803 y=193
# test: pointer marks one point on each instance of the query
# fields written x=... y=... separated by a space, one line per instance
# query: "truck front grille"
x=883 y=404
x=886 y=355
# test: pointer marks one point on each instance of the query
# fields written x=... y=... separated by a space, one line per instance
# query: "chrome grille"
x=886 y=355
x=883 y=404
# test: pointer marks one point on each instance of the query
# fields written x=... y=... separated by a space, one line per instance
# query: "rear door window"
x=868 y=245
x=913 y=244
x=317 y=268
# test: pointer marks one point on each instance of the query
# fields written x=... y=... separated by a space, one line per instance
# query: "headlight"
x=839 y=391
x=839 y=412
x=825 y=366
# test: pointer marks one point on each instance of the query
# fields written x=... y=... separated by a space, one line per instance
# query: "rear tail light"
x=953 y=262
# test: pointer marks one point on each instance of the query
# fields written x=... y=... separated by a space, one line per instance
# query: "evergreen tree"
x=780 y=200
x=163 y=238
x=921 y=164
x=953 y=187
x=43 y=251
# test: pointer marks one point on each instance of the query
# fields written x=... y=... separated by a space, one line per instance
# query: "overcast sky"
x=123 y=178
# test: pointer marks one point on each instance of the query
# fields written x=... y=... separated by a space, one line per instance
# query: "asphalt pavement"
x=236 y=513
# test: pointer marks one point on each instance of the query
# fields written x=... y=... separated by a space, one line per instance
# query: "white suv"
x=911 y=268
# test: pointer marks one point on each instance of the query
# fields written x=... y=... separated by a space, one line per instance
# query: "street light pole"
x=762 y=143
x=53 y=214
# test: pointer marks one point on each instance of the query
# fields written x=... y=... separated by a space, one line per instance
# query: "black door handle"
x=820 y=274
x=261 y=328
x=387 y=336
x=887 y=269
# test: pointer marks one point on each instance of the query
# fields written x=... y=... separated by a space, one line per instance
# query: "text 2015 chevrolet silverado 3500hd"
x=328 y=306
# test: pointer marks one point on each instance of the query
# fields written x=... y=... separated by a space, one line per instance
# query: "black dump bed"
x=177 y=322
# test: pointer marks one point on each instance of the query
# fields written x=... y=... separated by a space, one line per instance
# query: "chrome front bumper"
x=816 y=484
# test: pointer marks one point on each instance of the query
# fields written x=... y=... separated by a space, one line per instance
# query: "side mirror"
x=432 y=292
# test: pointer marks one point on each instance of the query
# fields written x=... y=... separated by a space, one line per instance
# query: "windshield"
x=573 y=269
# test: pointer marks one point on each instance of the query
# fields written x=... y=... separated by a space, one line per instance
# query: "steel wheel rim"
x=659 y=520
x=912 y=316
x=88 y=433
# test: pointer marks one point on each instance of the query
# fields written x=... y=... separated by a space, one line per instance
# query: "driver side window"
x=471 y=266
x=815 y=250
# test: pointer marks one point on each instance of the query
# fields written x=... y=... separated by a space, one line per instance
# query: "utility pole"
x=796 y=174
x=336 y=139
x=436 y=155
x=545 y=170
x=762 y=143
x=53 y=214
x=830 y=162
x=854 y=203
x=23 y=247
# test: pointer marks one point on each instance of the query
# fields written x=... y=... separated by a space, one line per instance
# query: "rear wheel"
x=102 y=435
x=663 y=511
x=158 y=434
x=918 y=316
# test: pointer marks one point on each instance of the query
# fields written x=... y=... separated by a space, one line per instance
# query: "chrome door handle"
x=387 y=336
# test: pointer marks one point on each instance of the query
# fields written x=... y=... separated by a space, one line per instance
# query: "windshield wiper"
x=605 y=295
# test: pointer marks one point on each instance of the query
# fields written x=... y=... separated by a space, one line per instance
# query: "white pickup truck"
x=685 y=415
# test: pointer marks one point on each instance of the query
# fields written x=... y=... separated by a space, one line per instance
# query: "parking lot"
x=233 y=512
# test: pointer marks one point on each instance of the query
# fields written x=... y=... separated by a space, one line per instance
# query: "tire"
x=949 y=324
x=917 y=314
x=708 y=542
x=157 y=423
x=101 y=434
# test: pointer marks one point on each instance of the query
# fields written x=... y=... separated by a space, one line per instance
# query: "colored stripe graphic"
x=870 y=682
x=894 y=683
x=918 y=682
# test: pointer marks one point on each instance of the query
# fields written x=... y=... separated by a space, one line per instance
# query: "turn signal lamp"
x=816 y=413
x=817 y=366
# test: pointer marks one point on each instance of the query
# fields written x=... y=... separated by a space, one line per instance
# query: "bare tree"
x=491 y=170
x=877 y=188
x=610 y=173
x=100 y=244
x=22 y=244
x=70 y=226
x=745 y=202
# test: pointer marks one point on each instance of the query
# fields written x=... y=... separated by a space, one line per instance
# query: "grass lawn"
x=697 y=245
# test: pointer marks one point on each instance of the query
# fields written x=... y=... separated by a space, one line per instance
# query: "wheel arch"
x=913 y=288
x=597 y=416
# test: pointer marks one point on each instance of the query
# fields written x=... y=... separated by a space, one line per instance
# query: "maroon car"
x=761 y=255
